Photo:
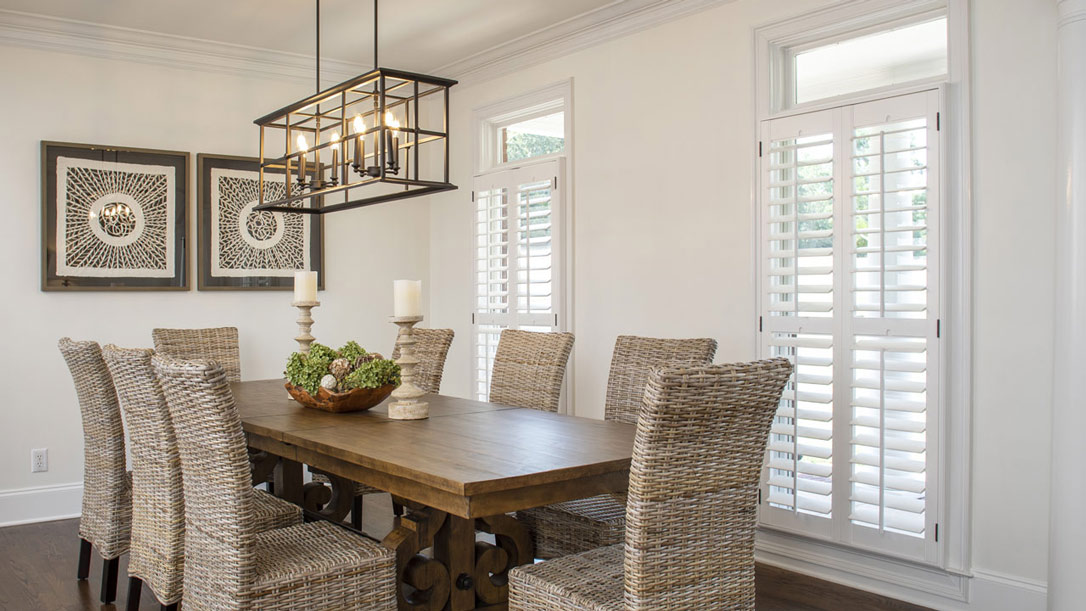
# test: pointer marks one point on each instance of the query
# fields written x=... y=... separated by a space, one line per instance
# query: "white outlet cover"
x=39 y=460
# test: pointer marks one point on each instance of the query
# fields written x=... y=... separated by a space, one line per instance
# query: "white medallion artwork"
x=246 y=242
x=114 y=219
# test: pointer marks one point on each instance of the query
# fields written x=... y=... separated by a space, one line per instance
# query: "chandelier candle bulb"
x=303 y=146
x=305 y=287
x=359 y=143
x=407 y=298
x=335 y=157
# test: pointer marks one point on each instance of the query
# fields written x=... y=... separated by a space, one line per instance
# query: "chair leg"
x=172 y=607
x=135 y=589
x=356 y=513
x=109 y=580
x=84 y=559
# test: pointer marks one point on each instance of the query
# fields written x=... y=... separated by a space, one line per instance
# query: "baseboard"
x=913 y=583
x=41 y=504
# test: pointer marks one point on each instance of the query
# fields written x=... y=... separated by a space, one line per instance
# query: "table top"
x=470 y=458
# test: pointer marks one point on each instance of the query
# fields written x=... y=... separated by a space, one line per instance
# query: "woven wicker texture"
x=529 y=368
x=157 y=552
x=228 y=564
x=106 y=520
x=578 y=526
x=431 y=347
x=691 y=511
x=219 y=344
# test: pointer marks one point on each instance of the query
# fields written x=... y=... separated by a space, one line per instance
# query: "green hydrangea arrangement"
x=340 y=370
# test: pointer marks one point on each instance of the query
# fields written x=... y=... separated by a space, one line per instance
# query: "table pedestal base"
x=464 y=573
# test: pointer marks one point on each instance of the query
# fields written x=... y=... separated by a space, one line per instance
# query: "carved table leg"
x=492 y=563
x=262 y=465
x=454 y=546
x=422 y=583
x=288 y=481
x=332 y=507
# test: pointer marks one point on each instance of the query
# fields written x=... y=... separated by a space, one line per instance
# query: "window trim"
x=956 y=286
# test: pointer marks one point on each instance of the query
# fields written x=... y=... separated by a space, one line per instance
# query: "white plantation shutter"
x=849 y=209
x=517 y=258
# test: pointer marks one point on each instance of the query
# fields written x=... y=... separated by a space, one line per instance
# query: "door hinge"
x=938 y=327
x=759 y=324
x=938 y=121
x=936 y=532
x=759 y=148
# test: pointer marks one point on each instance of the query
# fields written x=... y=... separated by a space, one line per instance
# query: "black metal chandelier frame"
x=365 y=109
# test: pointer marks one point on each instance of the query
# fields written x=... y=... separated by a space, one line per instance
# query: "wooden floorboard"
x=38 y=566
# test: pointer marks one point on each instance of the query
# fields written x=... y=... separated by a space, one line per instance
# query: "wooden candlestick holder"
x=405 y=404
x=305 y=324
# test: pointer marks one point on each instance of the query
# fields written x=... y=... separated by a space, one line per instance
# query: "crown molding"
x=112 y=42
x=608 y=22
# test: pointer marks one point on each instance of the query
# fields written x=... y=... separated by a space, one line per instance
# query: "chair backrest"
x=219 y=344
x=691 y=511
x=157 y=554
x=529 y=368
x=107 y=497
x=635 y=358
x=217 y=482
x=430 y=349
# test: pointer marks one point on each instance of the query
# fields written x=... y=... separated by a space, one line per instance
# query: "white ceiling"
x=418 y=35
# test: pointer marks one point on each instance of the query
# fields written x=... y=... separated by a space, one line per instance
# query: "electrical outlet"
x=39 y=460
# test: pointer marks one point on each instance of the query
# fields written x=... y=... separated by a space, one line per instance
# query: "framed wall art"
x=113 y=218
x=241 y=248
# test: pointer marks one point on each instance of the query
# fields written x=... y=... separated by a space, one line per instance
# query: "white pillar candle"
x=305 y=286
x=407 y=298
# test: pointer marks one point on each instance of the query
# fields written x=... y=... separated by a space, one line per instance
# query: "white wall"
x=663 y=233
x=53 y=96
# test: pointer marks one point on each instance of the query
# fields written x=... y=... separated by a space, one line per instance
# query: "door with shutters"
x=849 y=291
x=518 y=258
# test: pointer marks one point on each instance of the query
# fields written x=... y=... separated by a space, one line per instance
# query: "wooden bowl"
x=355 y=400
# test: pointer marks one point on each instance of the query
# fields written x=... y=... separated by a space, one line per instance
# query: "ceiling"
x=418 y=35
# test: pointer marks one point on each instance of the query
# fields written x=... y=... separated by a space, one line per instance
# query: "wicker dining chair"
x=431 y=348
x=157 y=551
x=228 y=564
x=106 y=520
x=219 y=344
x=692 y=505
x=583 y=524
x=529 y=368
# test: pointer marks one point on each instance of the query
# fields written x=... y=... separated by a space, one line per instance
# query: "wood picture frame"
x=113 y=218
x=242 y=249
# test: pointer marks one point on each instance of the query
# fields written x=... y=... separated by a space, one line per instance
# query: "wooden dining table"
x=460 y=471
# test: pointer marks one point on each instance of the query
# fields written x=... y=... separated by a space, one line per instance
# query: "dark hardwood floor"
x=38 y=565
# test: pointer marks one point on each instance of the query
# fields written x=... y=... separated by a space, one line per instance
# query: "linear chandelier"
x=394 y=143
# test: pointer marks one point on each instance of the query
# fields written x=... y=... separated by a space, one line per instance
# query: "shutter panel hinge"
x=556 y=320
x=759 y=496
x=759 y=148
x=555 y=182
x=473 y=196
x=473 y=318
x=938 y=121
x=936 y=532
x=759 y=324
x=938 y=327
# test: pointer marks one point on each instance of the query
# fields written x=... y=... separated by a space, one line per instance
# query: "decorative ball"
x=328 y=382
x=340 y=368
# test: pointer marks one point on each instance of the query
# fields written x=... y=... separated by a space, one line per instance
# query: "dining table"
x=465 y=469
